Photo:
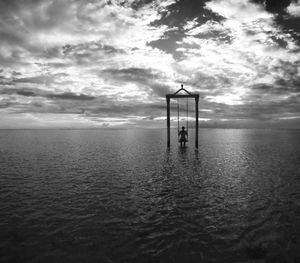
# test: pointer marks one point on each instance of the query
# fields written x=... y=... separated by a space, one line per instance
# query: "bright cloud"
x=294 y=9
x=227 y=68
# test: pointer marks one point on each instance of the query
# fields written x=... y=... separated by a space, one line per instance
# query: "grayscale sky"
x=83 y=64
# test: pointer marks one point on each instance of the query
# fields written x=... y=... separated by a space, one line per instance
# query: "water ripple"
x=99 y=196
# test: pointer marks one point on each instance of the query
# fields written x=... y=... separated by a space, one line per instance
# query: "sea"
x=108 y=195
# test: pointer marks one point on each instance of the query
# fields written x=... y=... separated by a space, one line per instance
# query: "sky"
x=110 y=63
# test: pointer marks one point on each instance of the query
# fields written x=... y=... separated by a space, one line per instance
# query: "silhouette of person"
x=183 y=136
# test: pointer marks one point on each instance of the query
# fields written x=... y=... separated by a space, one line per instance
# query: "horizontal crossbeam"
x=175 y=96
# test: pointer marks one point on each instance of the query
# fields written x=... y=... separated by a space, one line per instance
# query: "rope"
x=177 y=117
x=187 y=118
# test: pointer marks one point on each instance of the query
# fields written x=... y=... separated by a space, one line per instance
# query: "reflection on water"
x=121 y=196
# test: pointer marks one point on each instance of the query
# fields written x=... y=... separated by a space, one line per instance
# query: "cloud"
x=276 y=6
x=70 y=96
x=241 y=11
x=107 y=63
x=130 y=74
x=150 y=80
x=253 y=67
x=294 y=9
x=250 y=56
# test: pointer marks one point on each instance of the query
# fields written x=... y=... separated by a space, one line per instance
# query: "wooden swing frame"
x=176 y=96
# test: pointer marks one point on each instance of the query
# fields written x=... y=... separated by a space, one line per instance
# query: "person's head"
x=182 y=128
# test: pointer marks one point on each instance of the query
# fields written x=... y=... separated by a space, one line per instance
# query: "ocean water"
x=121 y=196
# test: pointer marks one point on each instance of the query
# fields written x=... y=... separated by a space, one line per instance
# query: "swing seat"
x=186 y=140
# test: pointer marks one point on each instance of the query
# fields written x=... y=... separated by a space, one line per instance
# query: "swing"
x=176 y=95
x=187 y=120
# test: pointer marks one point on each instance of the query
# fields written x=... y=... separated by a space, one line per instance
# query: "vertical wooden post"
x=197 y=122
x=168 y=120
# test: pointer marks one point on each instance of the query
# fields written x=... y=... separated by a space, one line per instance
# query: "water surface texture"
x=121 y=196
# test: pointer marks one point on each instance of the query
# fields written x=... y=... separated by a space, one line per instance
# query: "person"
x=183 y=136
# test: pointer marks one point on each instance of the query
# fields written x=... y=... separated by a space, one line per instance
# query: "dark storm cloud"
x=90 y=48
x=291 y=25
x=221 y=36
x=279 y=7
x=45 y=79
x=118 y=110
x=274 y=6
x=81 y=54
x=130 y=74
x=136 y=4
x=48 y=106
x=280 y=41
x=102 y=107
x=26 y=92
x=182 y=11
x=88 y=53
x=148 y=78
x=258 y=90
x=18 y=91
x=36 y=79
x=176 y=17
x=57 y=64
x=264 y=109
x=70 y=96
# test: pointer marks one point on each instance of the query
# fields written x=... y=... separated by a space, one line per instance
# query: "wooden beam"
x=168 y=121
x=197 y=121
x=175 y=96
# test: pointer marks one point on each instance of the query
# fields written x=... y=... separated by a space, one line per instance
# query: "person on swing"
x=183 y=136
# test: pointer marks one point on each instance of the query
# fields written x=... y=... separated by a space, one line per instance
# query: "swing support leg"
x=168 y=122
x=197 y=122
